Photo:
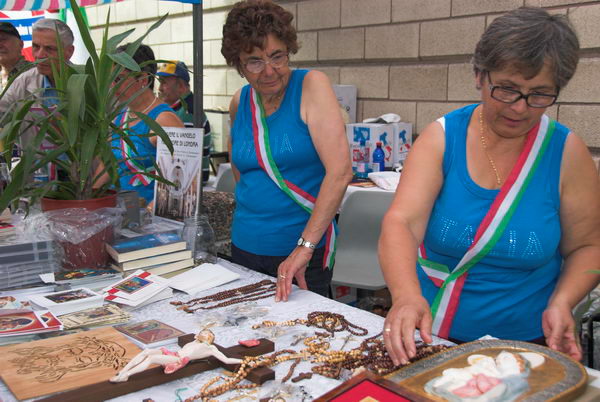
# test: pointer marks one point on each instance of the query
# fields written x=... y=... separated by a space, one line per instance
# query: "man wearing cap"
x=11 y=57
x=175 y=90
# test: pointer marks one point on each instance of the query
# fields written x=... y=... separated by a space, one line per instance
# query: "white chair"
x=225 y=180
x=356 y=262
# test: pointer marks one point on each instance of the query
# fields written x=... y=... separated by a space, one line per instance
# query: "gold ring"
x=282 y=276
x=388 y=329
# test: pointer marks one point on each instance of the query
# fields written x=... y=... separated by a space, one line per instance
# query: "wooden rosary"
x=330 y=322
x=254 y=291
x=370 y=354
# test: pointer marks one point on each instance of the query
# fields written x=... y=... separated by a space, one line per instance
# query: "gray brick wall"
x=410 y=57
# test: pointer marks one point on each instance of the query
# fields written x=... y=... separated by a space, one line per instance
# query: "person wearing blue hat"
x=174 y=89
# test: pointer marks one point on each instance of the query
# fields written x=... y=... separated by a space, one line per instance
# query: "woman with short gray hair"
x=499 y=205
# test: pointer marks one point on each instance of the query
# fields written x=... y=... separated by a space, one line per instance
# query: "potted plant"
x=78 y=128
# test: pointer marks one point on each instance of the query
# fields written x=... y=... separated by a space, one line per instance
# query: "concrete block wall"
x=409 y=57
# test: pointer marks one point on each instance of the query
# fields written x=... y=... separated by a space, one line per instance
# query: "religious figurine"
x=201 y=348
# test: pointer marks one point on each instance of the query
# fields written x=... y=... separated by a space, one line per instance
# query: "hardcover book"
x=145 y=246
x=170 y=267
x=150 y=333
x=154 y=261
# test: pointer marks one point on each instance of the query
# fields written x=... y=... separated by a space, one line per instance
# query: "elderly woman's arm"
x=580 y=245
x=402 y=232
x=320 y=110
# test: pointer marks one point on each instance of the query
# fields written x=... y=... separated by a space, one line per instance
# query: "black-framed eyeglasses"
x=258 y=65
x=509 y=95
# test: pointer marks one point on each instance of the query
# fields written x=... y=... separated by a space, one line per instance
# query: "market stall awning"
x=35 y=5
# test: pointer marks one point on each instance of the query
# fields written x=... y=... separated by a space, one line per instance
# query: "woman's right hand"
x=399 y=329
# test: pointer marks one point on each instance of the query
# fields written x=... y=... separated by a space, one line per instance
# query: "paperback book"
x=145 y=246
x=183 y=168
x=153 y=261
x=68 y=301
x=136 y=288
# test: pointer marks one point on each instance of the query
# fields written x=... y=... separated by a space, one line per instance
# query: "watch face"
x=300 y=241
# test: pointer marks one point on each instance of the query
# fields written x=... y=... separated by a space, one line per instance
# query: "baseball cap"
x=174 y=69
x=9 y=28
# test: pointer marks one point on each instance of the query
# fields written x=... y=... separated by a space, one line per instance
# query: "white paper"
x=203 y=277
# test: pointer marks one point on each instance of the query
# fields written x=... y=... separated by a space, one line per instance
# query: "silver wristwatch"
x=305 y=243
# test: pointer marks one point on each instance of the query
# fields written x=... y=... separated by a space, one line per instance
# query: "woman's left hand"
x=559 y=330
x=293 y=267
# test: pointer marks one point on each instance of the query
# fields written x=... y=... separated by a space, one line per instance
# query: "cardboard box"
x=346 y=96
x=344 y=294
x=219 y=129
x=372 y=133
x=402 y=141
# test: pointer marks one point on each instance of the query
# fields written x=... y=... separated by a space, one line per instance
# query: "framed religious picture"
x=494 y=369
x=369 y=387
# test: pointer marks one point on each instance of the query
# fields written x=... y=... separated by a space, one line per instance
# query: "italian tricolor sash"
x=305 y=200
x=131 y=161
x=489 y=231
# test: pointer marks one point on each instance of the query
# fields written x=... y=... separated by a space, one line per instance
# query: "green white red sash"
x=131 y=161
x=490 y=229
x=305 y=200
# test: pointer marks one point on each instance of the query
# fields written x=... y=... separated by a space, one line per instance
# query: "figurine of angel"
x=200 y=348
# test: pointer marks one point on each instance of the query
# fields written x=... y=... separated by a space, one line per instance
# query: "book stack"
x=23 y=323
x=138 y=289
x=68 y=301
x=21 y=262
x=158 y=253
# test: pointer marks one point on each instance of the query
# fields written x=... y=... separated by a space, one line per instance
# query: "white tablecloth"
x=299 y=305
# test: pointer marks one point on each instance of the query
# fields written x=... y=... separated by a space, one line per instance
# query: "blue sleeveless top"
x=146 y=152
x=506 y=293
x=266 y=220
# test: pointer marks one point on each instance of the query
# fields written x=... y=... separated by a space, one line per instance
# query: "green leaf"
x=112 y=43
x=85 y=33
x=76 y=96
x=125 y=60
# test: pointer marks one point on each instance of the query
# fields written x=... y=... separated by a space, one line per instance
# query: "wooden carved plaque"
x=33 y=369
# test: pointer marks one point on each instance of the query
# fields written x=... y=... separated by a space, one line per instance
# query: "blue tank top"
x=266 y=220
x=146 y=152
x=506 y=293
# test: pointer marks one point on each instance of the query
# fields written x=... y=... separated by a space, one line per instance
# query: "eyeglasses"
x=508 y=95
x=258 y=65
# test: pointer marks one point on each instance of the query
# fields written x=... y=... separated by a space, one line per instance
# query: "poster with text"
x=183 y=168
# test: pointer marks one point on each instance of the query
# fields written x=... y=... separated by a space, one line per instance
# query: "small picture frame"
x=70 y=296
x=132 y=285
x=370 y=387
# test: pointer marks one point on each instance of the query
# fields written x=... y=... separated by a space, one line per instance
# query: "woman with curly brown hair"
x=289 y=153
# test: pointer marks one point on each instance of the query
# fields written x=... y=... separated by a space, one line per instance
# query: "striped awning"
x=35 y=5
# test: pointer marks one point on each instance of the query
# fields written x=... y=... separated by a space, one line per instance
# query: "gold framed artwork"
x=505 y=370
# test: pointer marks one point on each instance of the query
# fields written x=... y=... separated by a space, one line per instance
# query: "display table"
x=300 y=304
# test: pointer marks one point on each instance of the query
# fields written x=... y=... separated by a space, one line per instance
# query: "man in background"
x=11 y=57
x=37 y=83
x=175 y=90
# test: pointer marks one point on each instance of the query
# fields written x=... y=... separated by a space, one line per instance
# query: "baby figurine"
x=201 y=348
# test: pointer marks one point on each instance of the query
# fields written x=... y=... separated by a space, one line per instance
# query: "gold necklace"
x=484 y=144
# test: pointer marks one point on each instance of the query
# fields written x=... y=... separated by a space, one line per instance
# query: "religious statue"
x=200 y=348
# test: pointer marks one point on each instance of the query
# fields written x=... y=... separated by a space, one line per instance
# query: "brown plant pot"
x=90 y=253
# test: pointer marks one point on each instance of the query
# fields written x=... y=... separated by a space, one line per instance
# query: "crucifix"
x=155 y=375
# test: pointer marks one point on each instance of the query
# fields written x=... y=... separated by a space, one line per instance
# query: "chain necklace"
x=254 y=291
x=134 y=116
x=484 y=144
